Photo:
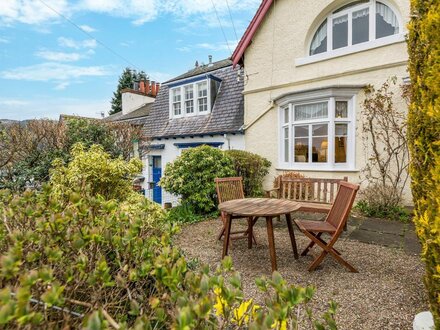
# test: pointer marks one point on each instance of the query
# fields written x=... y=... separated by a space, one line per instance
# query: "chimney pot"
x=196 y=64
x=210 y=59
x=147 y=86
x=153 y=88
x=142 y=86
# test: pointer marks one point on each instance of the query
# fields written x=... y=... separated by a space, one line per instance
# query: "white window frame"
x=350 y=48
x=195 y=99
x=330 y=96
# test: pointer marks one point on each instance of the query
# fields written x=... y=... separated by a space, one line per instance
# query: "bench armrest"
x=268 y=192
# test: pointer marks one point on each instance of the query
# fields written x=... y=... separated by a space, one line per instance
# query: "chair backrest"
x=341 y=207
x=229 y=188
x=309 y=189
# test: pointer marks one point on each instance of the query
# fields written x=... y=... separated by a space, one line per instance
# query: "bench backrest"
x=317 y=190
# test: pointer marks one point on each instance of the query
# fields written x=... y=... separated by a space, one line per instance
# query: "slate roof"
x=134 y=116
x=202 y=69
x=227 y=115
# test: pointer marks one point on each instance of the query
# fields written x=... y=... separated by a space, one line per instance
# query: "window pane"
x=286 y=144
x=189 y=92
x=341 y=109
x=189 y=106
x=340 y=32
x=177 y=108
x=286 y=115
x=320 y=130
x=302 y=144
x=203 y=89
x=386 y=21
x=176 y=95
x=319 y=41
x=341 y=143
x=302 y=131
x=319 y=149
x=319 y=143
x=311 y=111
x=360 y=31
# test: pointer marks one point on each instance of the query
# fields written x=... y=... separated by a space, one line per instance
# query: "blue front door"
x=157 y=174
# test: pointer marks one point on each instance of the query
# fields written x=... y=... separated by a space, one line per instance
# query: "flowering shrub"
x=81 y=260
x=192 y=176
x=95 y=169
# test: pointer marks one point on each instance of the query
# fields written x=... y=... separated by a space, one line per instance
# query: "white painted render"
x=133 y=101
x=171 y=152
x=277 y=63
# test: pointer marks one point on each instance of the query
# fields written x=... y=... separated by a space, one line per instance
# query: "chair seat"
x=315 y=226
x=314 y=207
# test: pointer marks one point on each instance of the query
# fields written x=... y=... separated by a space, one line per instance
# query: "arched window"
x=355 y=23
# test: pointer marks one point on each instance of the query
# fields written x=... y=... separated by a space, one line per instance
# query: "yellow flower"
x=220 y=302
x=239 y=314
x=280 y=325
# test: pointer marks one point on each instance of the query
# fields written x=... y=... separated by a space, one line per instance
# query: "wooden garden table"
x=261 y=207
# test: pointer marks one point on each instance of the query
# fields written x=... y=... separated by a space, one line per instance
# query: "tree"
x=126 y=80
x=424 y=137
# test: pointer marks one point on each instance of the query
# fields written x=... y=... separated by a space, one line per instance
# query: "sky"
x=65 y=56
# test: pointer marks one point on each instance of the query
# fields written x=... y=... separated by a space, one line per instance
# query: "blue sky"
x=49 y=67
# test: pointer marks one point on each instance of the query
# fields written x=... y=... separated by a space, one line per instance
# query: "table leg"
x=250 y=232
x=292 y=235
x=227 y=235
x=270 y=236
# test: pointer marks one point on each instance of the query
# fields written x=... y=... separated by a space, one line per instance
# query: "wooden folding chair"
x=229 y=189
x=333 y=226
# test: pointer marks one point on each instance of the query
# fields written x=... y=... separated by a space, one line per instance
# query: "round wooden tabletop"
x=261 y=207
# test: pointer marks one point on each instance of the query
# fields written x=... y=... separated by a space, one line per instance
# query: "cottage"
x=305 y=64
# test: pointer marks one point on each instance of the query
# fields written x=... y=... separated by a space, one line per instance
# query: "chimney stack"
x=153 y=88
x=157 y=88
x=147 y=86
x=210 y=60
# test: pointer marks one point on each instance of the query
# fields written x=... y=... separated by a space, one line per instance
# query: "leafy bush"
x=81 y=260
x=192 y=176
x=375 y=202
x=184 y=213
x=28 y=149
x=95 y=169
x=252 y=168
x=424 y=136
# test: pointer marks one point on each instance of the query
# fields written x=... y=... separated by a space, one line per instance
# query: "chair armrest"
x=314 y=207
x=268 y=192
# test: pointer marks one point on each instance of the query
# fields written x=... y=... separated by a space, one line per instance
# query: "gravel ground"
x=386 y=293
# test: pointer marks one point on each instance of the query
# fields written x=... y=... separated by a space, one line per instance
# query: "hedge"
x=424 y=136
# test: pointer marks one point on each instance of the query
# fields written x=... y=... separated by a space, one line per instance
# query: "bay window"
x=317 y=135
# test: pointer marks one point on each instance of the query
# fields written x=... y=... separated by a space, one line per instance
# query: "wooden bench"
x=315 y=194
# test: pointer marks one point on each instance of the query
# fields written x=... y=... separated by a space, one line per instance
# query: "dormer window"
x=193 y=98
x=202 y=100
x=354 y=24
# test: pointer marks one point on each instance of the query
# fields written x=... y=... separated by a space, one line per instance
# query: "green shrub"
x=77 y=259
x=184 y=213
x=424 y=136
x=192 y=176
x=95 y=170
x=252 y=168
x=377 y=201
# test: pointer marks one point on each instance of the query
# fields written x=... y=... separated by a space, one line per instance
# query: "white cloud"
x=184 y=49
x=13 y=102
x=31 y=11
x=87 y=28
x=219 y=46
x=4 y=40
x=59 y=56
x=62 y=86
x=70 y=43
x=56 y=72
x=139 y=11
x=53 y=107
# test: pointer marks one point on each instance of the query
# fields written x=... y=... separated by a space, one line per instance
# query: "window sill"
x=317 y=169
x=397 y=38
